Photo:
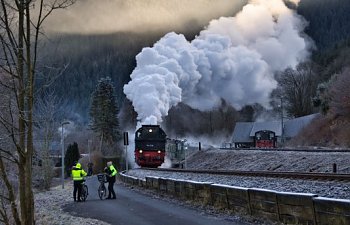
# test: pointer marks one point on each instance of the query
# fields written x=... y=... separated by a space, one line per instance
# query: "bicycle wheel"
x=84 y=193
x=102 y=192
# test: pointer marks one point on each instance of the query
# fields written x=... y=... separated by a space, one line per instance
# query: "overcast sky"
x=107 y=16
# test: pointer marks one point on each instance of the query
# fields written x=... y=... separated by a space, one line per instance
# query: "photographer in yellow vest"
x=78 y=175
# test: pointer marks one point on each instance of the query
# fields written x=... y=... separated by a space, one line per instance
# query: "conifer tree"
x=104 y=111
x=71 y=157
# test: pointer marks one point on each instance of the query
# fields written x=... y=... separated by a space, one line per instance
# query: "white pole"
x=185 y=161
x=62 y=157
x=282 y=125
x=126 y=157
x=89 y=150
x=62 y=142
x=185 y=149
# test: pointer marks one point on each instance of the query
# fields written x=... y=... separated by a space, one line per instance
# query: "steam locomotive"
x=265 y=139
x=152 y=144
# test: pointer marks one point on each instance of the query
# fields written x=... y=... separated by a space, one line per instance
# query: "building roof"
x=242 y=131
x=274 y=126
x=294 y=126
x=245 y=131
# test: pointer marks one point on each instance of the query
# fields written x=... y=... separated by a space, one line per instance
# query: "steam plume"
x=233 y=59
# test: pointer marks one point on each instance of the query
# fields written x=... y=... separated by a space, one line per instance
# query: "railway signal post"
x=126 y=143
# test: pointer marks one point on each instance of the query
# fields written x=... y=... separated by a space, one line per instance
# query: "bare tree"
x=46 y=120
x=340 y=94
x=20 y=28
x=298 y=87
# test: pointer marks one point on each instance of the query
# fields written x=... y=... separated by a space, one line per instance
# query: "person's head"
x=109 y=163
x=78 y=166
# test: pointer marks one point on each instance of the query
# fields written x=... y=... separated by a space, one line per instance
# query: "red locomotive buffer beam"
x=264 y=144
x=153 y=158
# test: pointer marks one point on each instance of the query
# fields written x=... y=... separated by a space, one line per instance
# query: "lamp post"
x=62 y=142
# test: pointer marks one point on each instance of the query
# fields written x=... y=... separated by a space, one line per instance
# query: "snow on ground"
x=48 y=204
x=48 y=208
x=266 y=160
x=270 y=160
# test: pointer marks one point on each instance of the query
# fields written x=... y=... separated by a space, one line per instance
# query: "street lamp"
x=62 y=142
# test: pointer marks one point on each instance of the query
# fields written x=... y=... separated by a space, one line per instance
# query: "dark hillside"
x=88 y=58
x=328 y=21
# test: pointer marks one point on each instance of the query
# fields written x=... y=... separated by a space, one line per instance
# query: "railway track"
x=290 y=175
x=317 y=150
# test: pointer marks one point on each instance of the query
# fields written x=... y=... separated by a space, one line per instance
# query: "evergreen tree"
x=71 y=157
x=104 y=112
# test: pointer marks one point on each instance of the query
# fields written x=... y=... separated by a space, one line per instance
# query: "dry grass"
x=325 y=131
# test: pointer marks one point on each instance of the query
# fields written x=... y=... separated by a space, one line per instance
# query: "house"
x=244 y=132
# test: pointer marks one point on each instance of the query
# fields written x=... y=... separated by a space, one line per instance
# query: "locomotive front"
x=265 y=139
x=150 y=146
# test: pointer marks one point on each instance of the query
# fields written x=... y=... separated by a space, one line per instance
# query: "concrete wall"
x=284 y=207
x=331 y=211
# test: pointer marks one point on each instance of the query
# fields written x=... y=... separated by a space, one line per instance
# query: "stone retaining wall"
x=284 y=207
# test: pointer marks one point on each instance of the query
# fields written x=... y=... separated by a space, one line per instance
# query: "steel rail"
x=281 y=174
x=288 y=150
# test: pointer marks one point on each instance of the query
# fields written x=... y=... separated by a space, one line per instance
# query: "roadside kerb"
x=202 y=193
x=153 y=183
x=180 y=189
x=218 y=196
x=285 y=207
x=162 y=185
x=296 y=208
x=263 y=203
x=332 y=211
x=238 y=200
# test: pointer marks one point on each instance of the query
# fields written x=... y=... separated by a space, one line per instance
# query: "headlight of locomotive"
x=140 y=151
x=158 y=151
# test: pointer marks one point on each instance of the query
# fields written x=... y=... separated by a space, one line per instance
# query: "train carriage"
x=175 y=151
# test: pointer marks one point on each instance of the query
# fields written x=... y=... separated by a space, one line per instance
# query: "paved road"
x=135 y=208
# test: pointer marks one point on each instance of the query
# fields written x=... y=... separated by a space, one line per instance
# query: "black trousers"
x=77 y=187
x=111 y=182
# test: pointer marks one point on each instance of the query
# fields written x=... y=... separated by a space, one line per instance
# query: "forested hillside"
x=329 y=28
x=90 y=57
x=328 y=21
x=86 y=60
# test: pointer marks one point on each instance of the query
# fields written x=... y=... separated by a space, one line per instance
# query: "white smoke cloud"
x=167 y=163
x=131 y=151
x=233 y=59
